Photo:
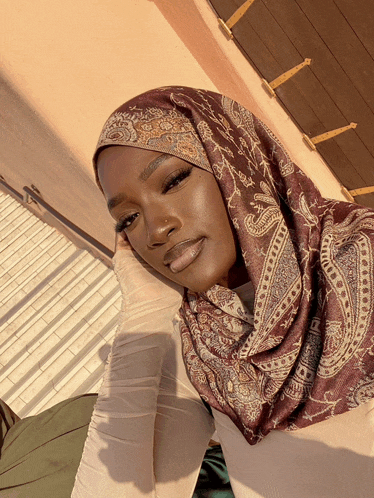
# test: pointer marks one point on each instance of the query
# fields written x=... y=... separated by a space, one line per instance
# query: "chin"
x=202 y=284
x=201 y=278
x=199 y=288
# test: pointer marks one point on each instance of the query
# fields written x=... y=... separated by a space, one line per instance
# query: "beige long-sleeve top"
x=149 y=429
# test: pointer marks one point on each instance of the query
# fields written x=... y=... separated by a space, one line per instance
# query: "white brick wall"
x=59 y=309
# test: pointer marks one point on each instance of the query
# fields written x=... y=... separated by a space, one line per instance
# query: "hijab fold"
x=306 y=354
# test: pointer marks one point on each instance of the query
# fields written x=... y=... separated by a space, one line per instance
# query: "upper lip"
x=176 y=251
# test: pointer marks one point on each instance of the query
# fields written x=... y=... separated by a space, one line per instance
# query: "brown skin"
x=174 y=203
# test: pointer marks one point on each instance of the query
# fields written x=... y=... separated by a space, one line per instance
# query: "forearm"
x=118 y=454
x=139 y=428
x=183 y=428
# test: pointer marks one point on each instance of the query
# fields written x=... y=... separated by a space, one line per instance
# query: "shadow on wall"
x=32 y=154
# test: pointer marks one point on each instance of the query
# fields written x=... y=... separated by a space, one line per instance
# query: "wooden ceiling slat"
x=225 y=9
x=270 y=67
x=340 y=165
x=288 y=54
x=335 y=80
x=316 y=96
x=351 y=105
x=332 y=152
x=365 y=200
x=274 y=40
x=253 y=44
x=342 y=41
x=349 y=101
x=353 y=148
x=311 y=124
x=278 y=34
x=264 y=61
x=360 y=15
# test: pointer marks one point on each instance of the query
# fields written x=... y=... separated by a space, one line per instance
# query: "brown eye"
x=126 y=222
x=175 y=179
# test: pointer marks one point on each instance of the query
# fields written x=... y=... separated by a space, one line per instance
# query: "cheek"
x=204 y=200
x=138 y=243
x=215 y=211
x=217 y=223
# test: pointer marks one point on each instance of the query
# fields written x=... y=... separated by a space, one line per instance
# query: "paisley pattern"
x=165 y=131
x=307 y=351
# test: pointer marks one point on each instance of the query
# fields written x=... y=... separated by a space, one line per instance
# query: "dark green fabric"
x=40 y=454
x=213 y=479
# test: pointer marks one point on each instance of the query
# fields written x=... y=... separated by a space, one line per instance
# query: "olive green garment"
x=39 y=455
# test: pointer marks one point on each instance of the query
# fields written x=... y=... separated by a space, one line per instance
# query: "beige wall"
x=67 y=65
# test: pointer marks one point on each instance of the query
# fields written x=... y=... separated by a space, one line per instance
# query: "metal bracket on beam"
x=347 y=194
x=269 y=87
x=238 y=14
x=26 y=198
x=361 y=191
x=326 y=136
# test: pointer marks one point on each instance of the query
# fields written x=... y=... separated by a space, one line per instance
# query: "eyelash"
x=125 y=223
x=176 y=178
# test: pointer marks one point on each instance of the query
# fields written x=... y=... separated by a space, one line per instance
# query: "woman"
x=205 y=194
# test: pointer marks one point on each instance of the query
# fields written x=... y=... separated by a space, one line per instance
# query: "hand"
x=118 y=454
x=141 y=285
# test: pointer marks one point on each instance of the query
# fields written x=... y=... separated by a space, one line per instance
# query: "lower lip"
x=188 y=257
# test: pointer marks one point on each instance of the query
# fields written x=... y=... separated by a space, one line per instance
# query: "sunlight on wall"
x=77 y=61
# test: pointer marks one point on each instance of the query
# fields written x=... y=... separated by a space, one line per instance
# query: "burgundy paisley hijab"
x=307 y=354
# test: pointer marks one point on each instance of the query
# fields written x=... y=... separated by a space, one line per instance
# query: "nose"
x=160 y=229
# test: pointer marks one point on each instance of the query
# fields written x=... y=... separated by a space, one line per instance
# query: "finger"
x=121 y=242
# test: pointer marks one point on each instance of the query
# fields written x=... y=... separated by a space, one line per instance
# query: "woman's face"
x=172 y=213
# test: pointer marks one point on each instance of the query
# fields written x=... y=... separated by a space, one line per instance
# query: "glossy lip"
x=183 y=254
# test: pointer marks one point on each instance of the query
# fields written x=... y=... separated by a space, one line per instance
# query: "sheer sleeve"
x=149 y=429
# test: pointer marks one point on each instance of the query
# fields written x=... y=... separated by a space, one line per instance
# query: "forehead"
x=117 y=162
x=119 y=158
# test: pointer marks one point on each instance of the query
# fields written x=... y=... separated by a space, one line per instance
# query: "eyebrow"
x=114 y=201
x=152 y=166
x=144 y=175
